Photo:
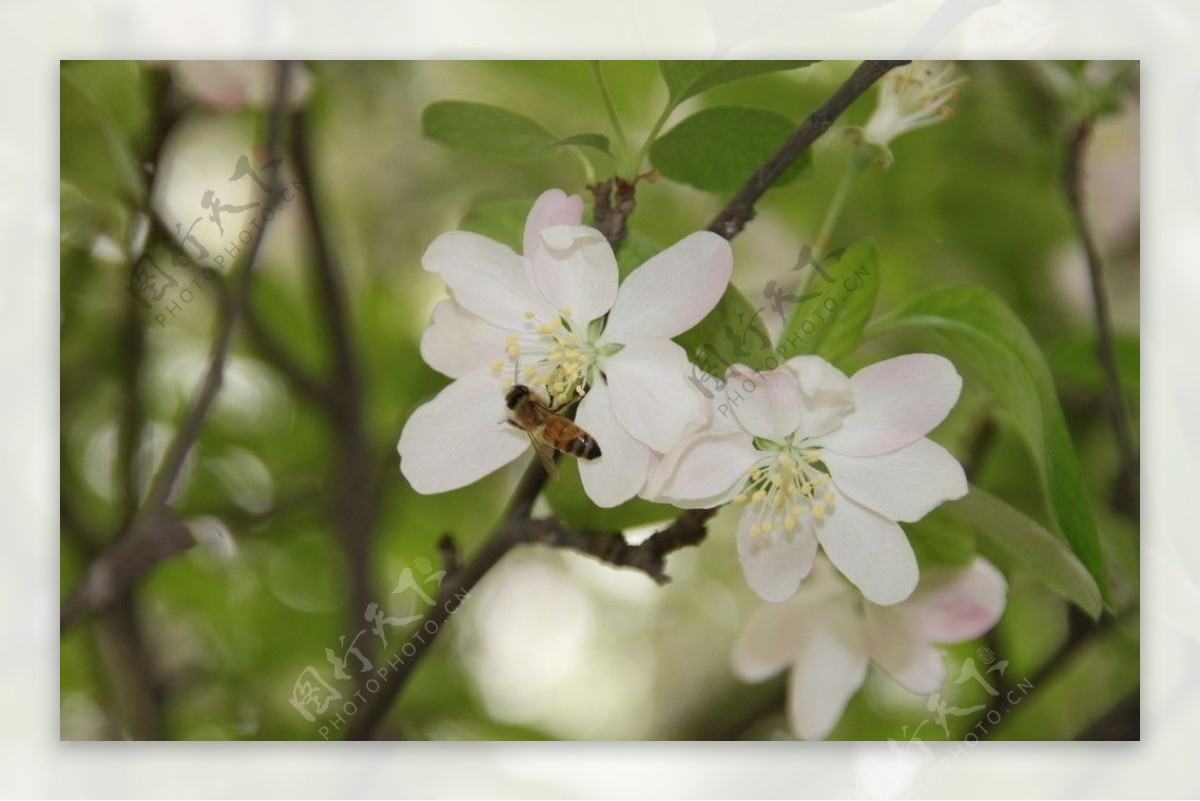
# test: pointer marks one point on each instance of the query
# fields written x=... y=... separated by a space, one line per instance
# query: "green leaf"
x=732 y=333
x=501 y=220
x=1020 y=540
x=686 y=79
x=845 y=285
x=487 y=131
x=576 y=510
x=98 y=158
x=974 y=328
x=592 y=140
x=718 y=148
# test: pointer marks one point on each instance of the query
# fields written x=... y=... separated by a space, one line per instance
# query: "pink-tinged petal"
x=773 y=636
x=957 y=604
x=232 y=84
x=896 y=402
x=917 y=666
x=825 y=395
x=672 y=291
x=870 y=550
x=487 y=279
x=774 y=562
x=830 y=667
x=904 y=485
x=553 y=207
x=458 y=342
x=706 y=470
x=460 y=436
x=769 y=406
x=651 y=393
x=620 y=471
x=575 y=269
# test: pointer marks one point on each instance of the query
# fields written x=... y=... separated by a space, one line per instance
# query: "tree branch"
x=355 y=503
x=1127 y=495
x=119 y=567
x=740 y=210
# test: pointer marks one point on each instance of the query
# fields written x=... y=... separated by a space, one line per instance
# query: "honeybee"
x=548 y=430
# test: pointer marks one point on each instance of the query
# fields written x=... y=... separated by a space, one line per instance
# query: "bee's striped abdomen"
x=584 y=447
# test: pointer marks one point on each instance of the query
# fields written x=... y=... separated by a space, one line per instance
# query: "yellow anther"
x=497 y=365
x=514 y=350
x=506 y=383
x=544 y=329
x=755 y=530
x=751 y=471
x=789 y=522
x=822 y=480
x=785 y=460
x=530 y=372
x=777 y=500
x=830 y=497
x=777 y=480
x=818 y=511
x=739 y=498
x=797 y=511
x=530 y=314
x=767 y=525
x=511 y=339
x=806 y=488
x=812 y=457
x=565 y=312
x=759 y=495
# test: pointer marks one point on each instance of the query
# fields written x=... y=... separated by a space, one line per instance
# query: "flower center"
x=557 y=354
x=786 y=486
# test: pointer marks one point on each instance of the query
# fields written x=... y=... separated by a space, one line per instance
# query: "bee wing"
x=545 y=455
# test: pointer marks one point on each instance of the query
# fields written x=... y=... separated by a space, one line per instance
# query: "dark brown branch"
x=354 y=502
x=740 y=210
x=516 y=529
x=612 y=548
x=94 y=591
x=1127 y=495
x=615 y=200
x=111 y=574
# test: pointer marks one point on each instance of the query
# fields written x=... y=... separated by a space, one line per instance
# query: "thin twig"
x=1127 y=496
x=740 y=210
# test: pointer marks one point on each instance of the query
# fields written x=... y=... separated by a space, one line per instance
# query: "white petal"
x=460 y=436
x=651 y=393
x=829 y=668
x=914 y=664
x=705 y=470
x=772 y=637
x=953 y=605
x=232 y=84
x=553 y=207
x=825 y=396
x=575 y=269
x=771 y=409
x=620 y=471
x=487 y=279
x=673 y=290
x=896 y=402
x=774 y=564
x=458 y=342
x=870 y=550
x=904 y=485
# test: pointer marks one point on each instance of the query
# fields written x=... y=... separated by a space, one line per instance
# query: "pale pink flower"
x=556 y=318
x=817 y=457
x=828 y=635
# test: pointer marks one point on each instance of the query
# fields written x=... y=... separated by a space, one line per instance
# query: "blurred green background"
x=550 y=645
